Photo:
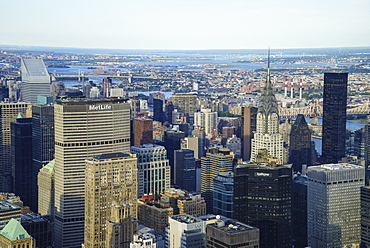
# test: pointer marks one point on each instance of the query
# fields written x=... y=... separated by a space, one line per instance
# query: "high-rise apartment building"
x=223 y=194
x=216 y=161
x=111 y=183
x=186 y=103
x=8 y=113
x=333 y=203
x=35 y=80
x=191 y=143
x=84 y=128
x=153 y=169
x=262 y=198
x=107 y=86
x=24 y=179
x=46 y=189
x=249 y=118
x=143 y=131
x=206 y=119
x=334 y=117
x=267 y=135
x=300 y=144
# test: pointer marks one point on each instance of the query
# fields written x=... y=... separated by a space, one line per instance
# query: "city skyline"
x=164 y=24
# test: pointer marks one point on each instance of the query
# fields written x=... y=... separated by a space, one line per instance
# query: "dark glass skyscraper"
x=262 y=198
x=334 y=117
x=24 y=184
x=300 y=144
x=185 y=169
x=158 y=114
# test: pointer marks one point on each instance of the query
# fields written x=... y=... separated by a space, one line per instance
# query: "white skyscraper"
x=206 y=119
x=333 y=205
x=35 y=80
x=267 y=134
x=83 y=129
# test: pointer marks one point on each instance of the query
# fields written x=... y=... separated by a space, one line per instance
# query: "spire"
x=268 y=79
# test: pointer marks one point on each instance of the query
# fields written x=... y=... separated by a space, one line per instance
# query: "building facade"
x=35 y=80
x=206 y=119
x=334 y=117
x=46 y=189
x=267 y=135
x=217 y=160
x=186 y=103
x=185 y=169
x=249 y=122
x=84 y=128
x=143 y=131
x=153 y=169
x=223 y=194
x=333 y=194
x=262 y=198
x=111 y=184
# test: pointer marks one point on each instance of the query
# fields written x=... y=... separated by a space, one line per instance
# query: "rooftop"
x=35 y=67
x=111 y=155
x=185 y=218
x=14 y=231
x=339 y=166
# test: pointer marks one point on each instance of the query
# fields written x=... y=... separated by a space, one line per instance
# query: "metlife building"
x=84 y=128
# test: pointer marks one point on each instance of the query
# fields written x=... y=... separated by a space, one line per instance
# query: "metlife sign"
x=100 y=107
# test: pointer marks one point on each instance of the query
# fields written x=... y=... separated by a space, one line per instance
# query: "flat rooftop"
x=185 y=218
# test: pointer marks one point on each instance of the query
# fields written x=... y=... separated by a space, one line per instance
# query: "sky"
x=185 y=24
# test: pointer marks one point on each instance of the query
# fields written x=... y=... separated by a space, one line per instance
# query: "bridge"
x=314 y=109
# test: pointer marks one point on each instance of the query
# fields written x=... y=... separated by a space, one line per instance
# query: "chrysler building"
x=267 y=135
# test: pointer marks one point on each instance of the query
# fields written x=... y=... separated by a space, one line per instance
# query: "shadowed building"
x=262 y=198
x=334 y=117
x=185 y=169
x=300 y=144
x=143 y=131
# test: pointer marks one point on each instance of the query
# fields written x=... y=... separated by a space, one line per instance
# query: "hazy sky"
x=185 y=24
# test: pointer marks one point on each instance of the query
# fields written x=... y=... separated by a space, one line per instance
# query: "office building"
x=8 y=113
x=39 y=227
x=199 y=133
x=24 y=178
x=158 y=114
x=333 y=203
x=185 y=169
x=228 y=233
x=172 y=142
x=168 y=109
x=14 y=235
x=154 y=214
x=145 y=240
x=35 y=80
x=223 y=194
x=186 y=231
x=206 y=119
x=143 y=131
x=10 y=208
x=107 y=86
x=111 y=183
x=334 y=117
x=262 y=198
x=249 y=122
x=191 y=143
x=299 y=211
x=186 y=103
x=184 y=203
x=46 y=189
x=267 y=134
x=216 y=161
x=300 y=144
x=84 y=128
x=153 y=169
x=135 y=107
x=365 y=216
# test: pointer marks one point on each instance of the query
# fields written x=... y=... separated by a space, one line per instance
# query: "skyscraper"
x=172 y=142
x=153 y=169
x=42 y=137
x=262 y=198
x=186 y=103
x=84 y=128
x=267 y=134
x=111 y=183
x=300 y=144
x=23 y=177
x=143 y=131
x=249 y=116
x=216 y=161
x=8 y=113
x=46 y=189
x=35 y=79
x=185 y=169
x=206 y=119
x=334 y=117
x=223 y=194
x=333 y=203
x=158 y=114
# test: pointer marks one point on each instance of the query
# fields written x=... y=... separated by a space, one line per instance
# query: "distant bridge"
x=314 y=109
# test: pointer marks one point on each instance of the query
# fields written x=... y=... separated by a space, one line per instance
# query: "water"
x=349 y=124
